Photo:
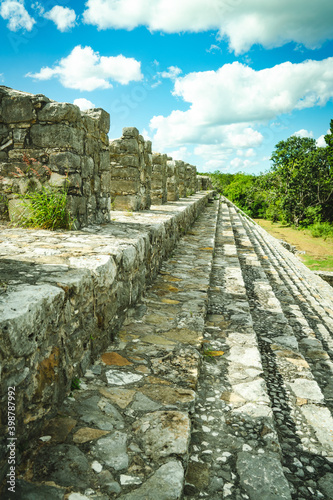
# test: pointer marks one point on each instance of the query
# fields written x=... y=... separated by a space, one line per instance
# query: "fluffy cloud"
x=321 y=143
x=87 y=70
x=15 y=13
x=63 y=17
x=303 y=133
x=84 y=104
x=243 y=22
x=226 y=105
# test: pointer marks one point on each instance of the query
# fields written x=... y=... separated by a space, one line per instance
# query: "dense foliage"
x=297 y=190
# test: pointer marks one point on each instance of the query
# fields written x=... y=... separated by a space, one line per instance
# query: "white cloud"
x=84 y=104
x=2 y=78
x=87 y=70
x=320 y=142
x=214 y=48
x=243 y=22
x=225 y=105
x=17 y=16
x=63 y=17
x=239 y=164
x=247 y=153
x=181 y=153
x=172 y=73
x=303 y=133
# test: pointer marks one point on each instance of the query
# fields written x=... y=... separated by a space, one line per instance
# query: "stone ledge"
x=326 y=276
x=65 y=295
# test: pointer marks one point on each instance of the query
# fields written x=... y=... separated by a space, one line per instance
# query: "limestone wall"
x=131 y=165
x=181 y=176
x=58 y=142
x=206 y=182
x=159 y=194
x=172 y=180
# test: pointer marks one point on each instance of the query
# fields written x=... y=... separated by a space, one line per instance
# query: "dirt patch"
x=316 y=248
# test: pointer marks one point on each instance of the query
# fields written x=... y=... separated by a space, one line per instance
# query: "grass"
x=46 y=209
x=325 y=264
x=318 y=249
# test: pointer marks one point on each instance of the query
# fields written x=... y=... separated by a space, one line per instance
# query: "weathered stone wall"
x=199 y=182
x=172 y=180
x=131 y=166
x=181 y=176
x=159 y=193
x=206 y=182
x=65 y=297
x=66 y=144
x=193 y=180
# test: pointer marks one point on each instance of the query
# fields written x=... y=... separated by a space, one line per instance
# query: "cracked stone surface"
x=238 y=406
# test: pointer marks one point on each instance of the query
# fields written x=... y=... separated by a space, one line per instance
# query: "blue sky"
x=216 y=83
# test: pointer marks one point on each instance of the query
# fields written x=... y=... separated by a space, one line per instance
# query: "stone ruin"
x=72 y=145
x=43 y=142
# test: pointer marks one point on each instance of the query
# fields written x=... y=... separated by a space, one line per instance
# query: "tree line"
x=297 y=190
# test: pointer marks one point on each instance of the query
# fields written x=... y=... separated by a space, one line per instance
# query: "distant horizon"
x=217 y=84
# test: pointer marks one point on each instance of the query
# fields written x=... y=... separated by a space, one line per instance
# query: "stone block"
x=18 y=209
x=120 y=187
x=87 y=169
x=64 y=162
x=57 y=112
x=129 y=160
x=57 y=136
x=130 y=132
x=121 y=172
x=123 y=202
x=148 y=147
x=17 y=107
x=57 y=180
x=104 y=160
x=106 y=182
x=100 y=117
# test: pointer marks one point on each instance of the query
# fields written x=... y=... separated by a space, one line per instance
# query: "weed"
x=76 y=384
x=113 y=203
x=41 y=206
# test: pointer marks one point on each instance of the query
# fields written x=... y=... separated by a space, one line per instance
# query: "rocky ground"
x=219 y=385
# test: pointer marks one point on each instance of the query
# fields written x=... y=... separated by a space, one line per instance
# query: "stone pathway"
x=219 y=384
x=263 y=424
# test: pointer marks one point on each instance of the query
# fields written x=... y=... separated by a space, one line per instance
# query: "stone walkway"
x=219 y=385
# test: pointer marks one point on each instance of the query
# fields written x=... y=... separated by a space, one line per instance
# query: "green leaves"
x=297 y=190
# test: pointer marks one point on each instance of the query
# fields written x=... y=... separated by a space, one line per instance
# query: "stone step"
x=235 y=451
x=296 y=363
x=262 y=425
x=312 y=325
x=125 y=432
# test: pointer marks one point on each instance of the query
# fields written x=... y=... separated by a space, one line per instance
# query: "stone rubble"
x=219 y=384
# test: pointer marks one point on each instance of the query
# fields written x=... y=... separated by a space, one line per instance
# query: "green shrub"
x=321 y=230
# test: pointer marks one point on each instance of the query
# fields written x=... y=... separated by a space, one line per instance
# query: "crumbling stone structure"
x=69 y=146
x=131 y=165
x=181 y=177
x=206 y=182
x=46 y=143
x=172 y=180
x=159 y=193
